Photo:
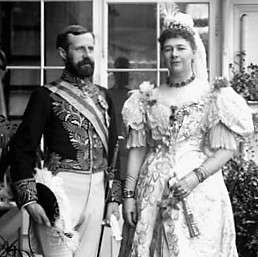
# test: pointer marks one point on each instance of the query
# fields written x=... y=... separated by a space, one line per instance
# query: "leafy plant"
x=245 y=79
x=241 y=178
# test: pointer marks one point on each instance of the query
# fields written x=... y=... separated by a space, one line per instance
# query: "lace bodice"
x=152 y=122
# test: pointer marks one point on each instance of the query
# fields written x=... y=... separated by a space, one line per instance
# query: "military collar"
x=76 y=81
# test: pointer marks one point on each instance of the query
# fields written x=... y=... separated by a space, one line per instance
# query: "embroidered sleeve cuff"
x=116 y=192
x=24 y=191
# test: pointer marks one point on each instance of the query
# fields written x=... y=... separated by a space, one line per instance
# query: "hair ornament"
x=174 y=19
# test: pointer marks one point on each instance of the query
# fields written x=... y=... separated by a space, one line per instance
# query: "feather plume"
x=168 y=10
x=172 y=17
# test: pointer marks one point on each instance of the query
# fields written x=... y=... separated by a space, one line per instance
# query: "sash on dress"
x=85 y=106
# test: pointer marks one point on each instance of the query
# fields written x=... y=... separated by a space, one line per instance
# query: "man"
x=76 y=119
x=119 y=93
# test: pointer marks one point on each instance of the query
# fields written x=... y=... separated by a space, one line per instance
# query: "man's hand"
x=38 y=214
x=112 y=208
x=129 y=211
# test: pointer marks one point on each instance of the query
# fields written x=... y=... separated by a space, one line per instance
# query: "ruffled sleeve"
x=134 y=117
x=228 y=119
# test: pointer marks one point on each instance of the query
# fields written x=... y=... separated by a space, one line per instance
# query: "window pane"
x=132 y=34
x=52 y=75
x=57 y=16
x=20 y=32
x=18 y=101
x=19 y=85
x=24 y=77
x=163 y=77
x=135 y=78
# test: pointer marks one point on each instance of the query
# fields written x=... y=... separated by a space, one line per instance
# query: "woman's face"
x=178 y=56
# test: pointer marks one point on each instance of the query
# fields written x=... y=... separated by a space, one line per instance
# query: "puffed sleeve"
x=134 y=117
x=228 y=119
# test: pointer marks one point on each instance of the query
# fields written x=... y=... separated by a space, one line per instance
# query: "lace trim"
x=24 y=191
x=228 y=107
x=221 y=137
x=136 y=138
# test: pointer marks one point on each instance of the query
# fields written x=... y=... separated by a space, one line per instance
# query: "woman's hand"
x=129 y=211
x=38 y=214
x=185 y=185
x=112 y=208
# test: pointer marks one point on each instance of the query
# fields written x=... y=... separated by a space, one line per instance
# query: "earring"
x=192 y=64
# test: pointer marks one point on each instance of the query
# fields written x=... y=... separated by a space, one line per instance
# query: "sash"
x=85 y=106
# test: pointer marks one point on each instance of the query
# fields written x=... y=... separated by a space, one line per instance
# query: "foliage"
x=245 y=81
x=241 y=178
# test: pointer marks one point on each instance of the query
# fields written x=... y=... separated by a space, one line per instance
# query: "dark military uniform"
x=76 y=120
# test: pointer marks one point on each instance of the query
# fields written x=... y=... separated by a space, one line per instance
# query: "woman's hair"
x=176 y=33
x=62 y=39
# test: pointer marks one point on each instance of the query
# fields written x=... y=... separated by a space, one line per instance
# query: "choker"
x=180 y=84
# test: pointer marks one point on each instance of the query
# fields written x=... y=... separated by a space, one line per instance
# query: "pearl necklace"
x=180 y=84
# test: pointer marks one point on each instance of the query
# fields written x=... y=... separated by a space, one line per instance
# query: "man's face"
x=80 y=55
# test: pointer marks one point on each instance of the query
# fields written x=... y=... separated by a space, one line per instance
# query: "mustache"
x=86 y=61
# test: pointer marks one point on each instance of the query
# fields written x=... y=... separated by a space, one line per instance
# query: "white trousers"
x=86 y=196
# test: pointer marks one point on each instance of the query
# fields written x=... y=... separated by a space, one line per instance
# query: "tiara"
x=175 y=25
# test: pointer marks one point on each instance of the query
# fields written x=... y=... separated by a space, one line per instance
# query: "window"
x=132 y=33
x=127 y=29
x=28 y=33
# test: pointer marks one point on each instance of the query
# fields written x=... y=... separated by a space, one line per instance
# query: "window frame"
x=231 y=11
x=214 y=38
x=43 y=67
x=100 y=29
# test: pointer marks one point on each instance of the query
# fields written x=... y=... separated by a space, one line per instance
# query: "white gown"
x=179 y=138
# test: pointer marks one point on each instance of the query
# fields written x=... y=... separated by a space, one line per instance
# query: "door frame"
x=231 y=12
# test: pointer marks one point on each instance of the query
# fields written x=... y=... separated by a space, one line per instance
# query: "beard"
x=82 y=69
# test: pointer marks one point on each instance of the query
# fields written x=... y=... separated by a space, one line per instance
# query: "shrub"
x=241 y=178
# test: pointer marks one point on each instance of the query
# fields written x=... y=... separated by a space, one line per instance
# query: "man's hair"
x=121 y=62
x=62 y=39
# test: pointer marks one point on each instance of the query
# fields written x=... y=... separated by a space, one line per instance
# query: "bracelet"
x=128 y=194
x=200 y=173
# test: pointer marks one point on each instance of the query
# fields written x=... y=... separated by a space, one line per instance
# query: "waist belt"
x=86 y=172
x=67 y=165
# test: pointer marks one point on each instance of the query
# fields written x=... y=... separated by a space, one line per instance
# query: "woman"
x=180 y=135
